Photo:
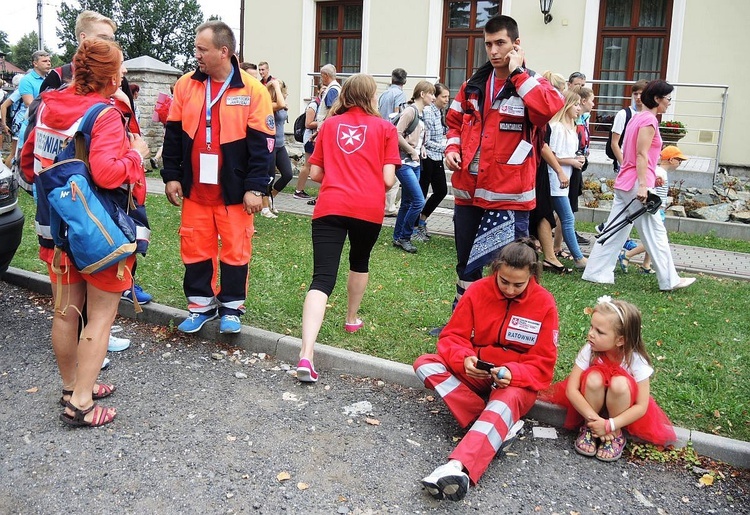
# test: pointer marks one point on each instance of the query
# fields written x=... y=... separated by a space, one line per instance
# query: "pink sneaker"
x=353 y=328
x=305 y=372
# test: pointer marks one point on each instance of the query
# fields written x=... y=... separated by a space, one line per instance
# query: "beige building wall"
x=712 y=48
x=703 y=49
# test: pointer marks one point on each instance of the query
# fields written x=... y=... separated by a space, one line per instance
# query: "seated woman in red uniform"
x=355 y=160
x=114 y=160
x=497 y=351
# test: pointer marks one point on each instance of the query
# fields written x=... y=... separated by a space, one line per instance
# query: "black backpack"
x=608 y=148
x=299 y=127
x=412 y=125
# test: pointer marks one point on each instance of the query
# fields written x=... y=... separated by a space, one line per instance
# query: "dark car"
x=11 y=218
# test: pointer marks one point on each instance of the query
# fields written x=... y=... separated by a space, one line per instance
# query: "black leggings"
x=433 y=173
x=328 y=236
x=281 y=161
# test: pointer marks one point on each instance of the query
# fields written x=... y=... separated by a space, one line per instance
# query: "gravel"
x=202 y=428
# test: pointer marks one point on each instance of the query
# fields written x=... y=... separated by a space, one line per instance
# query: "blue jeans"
x=412 y=202
x=561 y=205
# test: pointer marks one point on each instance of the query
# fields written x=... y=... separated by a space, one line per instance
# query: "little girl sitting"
x=608 y=388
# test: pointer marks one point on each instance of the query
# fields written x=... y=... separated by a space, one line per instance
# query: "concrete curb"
x=341 y=361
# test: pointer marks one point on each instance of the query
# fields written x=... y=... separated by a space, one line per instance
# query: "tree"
x=162 y=29
x=4 y=44
x=21 y=52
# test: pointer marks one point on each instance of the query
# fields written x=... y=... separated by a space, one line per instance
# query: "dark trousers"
x=466 y=220
x=433 y=174
x=328 y=236
x=282 y=162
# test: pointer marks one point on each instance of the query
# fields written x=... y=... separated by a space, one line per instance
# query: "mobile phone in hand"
x=484 y=365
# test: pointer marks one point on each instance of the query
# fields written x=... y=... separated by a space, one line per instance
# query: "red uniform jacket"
x=519 y=333
x=526 y=103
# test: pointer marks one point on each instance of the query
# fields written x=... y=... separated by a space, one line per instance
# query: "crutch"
x=653 y=202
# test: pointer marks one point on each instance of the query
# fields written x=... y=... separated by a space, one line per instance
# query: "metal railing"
x=383 y=80
x=701 y=107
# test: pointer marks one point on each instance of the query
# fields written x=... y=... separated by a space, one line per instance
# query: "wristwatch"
x=257 y=193
x=518 y=70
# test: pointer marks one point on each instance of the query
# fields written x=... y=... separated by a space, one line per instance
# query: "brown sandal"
x=103 y=390
x=102 y=416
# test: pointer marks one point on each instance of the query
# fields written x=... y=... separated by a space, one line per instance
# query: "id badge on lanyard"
x=209 y=157
x=209 y=166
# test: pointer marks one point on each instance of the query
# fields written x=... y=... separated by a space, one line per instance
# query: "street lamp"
x=546 y=6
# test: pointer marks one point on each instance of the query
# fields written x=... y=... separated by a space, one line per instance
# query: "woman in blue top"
x=280 y=159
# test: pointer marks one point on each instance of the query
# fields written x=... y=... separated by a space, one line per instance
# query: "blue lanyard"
x=210 y=103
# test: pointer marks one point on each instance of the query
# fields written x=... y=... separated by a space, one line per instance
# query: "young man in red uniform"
x=492 y=125
x=217 y=149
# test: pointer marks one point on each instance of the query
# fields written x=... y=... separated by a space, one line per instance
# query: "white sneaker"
x=511 y=436
x=105 y=364
x=684 y=283
x=447 y=482
x=267 y=213
x=117 y=344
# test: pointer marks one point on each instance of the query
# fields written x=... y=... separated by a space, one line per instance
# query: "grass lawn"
x=698 y=339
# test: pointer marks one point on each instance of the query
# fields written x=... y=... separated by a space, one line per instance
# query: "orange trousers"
x=215 y=242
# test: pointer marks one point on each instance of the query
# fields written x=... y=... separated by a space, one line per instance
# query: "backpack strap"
x=414 y=123
x=90 y=116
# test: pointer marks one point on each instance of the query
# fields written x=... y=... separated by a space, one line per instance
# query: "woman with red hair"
x=115 y=159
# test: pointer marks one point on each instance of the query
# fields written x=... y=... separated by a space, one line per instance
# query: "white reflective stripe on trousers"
x=443 y=388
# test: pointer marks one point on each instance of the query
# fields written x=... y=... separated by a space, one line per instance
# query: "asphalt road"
x=203 y=428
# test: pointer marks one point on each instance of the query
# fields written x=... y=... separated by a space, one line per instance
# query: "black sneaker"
x=405 y=245
x=582 y=240
x=600 y=228
x=301 y=195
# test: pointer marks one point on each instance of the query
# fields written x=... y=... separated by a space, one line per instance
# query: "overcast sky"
x=18 y=17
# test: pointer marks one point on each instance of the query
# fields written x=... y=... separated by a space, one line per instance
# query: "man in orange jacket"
x=217 y=150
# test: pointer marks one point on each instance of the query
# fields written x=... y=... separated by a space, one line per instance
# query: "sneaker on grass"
x=195 y=321
x=142 y=296
x=405 y=245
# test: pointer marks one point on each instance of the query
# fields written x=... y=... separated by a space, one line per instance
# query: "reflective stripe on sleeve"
x=527 y=86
